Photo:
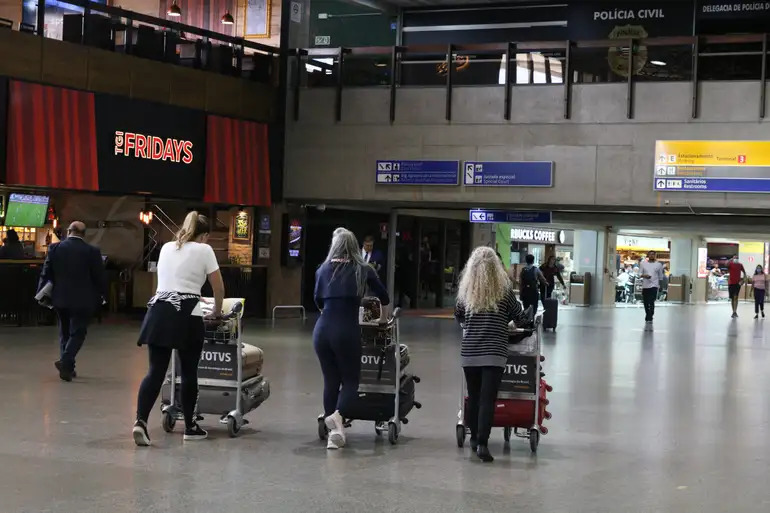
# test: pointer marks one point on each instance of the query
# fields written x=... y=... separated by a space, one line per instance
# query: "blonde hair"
x=194 y=226
x=483 y=281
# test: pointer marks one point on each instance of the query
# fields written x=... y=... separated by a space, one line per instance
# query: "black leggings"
x=153 y=381
x=483 y=383
x=337 y=343
x=759 y=300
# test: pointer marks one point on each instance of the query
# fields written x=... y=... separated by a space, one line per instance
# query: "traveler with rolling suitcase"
x=551 y=272
x=486 y=303
x=531 y=280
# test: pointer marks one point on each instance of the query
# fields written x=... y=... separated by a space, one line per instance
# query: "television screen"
x=26 y=210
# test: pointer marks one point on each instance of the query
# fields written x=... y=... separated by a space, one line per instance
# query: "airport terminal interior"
x=604 y=162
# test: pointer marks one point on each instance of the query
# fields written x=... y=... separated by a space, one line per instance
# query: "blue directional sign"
x=508 y=174
x=418 y=172
x=479 y=215
x=707 y=184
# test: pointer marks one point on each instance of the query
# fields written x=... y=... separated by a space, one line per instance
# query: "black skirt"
x=165 y=326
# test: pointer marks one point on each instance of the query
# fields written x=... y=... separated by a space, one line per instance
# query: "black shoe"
x=195 y=433
x=58 y=366
x=474 y=444
x=483 y=453
x=141 y=436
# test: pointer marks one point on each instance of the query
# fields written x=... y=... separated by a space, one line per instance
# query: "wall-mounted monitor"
x=26 y=210
x=292 y=249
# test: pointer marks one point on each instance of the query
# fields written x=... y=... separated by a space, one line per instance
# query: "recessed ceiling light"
x=657 y=63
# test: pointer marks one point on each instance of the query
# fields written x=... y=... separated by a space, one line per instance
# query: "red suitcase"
x=513 y=414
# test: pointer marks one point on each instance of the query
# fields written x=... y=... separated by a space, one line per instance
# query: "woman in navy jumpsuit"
x=341 y=281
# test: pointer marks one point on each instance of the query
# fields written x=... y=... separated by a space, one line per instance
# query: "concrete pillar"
x=595 y=253
x=391 y=261
x=482 y=235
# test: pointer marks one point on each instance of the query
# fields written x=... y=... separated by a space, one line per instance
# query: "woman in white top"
x=174 y=320
x=759 y=282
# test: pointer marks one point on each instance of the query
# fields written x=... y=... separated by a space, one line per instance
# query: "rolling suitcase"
x=550 y=313
x=379 y=407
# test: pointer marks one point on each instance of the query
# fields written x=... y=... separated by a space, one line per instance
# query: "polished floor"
x=672 y=419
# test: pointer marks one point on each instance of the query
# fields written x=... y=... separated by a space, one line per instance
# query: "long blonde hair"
x=483 y=281
x=194 y=226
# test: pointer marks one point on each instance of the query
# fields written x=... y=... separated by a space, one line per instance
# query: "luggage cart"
x=520 y=405
x=222 y=388
x=385 y=391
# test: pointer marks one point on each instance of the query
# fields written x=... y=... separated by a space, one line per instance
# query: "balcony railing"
x=689 y=58
x=115 y=29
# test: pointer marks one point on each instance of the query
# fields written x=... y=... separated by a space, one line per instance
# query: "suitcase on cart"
x=550 y=313
x=378 y=406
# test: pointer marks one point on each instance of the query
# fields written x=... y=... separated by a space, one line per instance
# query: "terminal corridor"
x=672 y=418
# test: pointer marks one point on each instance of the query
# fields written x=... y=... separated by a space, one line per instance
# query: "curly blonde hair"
x=483 y=281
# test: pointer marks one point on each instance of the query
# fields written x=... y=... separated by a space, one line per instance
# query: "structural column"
x=595 y=254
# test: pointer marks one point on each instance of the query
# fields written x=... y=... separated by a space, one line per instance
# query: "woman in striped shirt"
x=486 y=304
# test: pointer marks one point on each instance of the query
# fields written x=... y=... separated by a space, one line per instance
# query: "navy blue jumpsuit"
x=337 y=335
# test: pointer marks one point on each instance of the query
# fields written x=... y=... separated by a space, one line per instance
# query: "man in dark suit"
x=76 y=271
x=372 y=256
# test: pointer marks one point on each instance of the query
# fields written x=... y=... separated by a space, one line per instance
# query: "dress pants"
x=73 y=327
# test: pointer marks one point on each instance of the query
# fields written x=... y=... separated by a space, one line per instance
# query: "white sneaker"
x=336 y=440
x=336 y=428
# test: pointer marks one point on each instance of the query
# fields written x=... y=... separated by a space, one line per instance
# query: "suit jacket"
x=77 y=272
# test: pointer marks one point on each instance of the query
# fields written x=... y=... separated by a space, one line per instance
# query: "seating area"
x=118 y=30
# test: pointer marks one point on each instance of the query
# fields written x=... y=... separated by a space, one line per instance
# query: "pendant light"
x=174 y=10
x=227 y=19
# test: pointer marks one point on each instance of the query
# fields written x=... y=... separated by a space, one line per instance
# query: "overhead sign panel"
x=479 y=215
x=712 y=166
x=418 y=172
x=508 y=174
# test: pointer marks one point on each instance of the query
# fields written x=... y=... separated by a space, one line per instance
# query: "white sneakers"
x=336 y=438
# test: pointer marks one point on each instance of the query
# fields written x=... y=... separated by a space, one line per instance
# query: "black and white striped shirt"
x=485 y=334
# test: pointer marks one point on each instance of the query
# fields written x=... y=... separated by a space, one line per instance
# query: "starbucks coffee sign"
x=538 y=235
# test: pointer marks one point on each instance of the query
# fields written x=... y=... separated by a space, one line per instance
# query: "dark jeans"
x=530 y=299
x=337 y=343
x=649 y=296
x=149 y=390
x=73 y=327
x=759 y=300
x=483 y=383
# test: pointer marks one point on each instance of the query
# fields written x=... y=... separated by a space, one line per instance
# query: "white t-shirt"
x=185 y=270
x=655 y=271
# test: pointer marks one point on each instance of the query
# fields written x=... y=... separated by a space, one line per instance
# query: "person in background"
x=75 y=270
x=759 y=282
x=652 y=274
x=486 y=303
x=736 y=275
x=340 y=283
x=174 y=320
x=371 y=256
x=531 y=280
x=12 y=248
x=551 y=272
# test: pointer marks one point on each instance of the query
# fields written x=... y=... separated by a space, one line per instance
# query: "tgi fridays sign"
x=142 y=146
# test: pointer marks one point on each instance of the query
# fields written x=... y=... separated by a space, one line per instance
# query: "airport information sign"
x=479 y=215
x=508 y=174
x=418 y=172
x=712 y=166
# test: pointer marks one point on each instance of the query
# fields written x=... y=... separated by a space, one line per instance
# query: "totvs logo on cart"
x=151 y=147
